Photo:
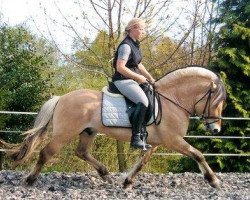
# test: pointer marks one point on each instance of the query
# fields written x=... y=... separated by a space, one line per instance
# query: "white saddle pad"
x=114 y=110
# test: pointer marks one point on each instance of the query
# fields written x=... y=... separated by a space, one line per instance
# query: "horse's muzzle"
x=214 y=128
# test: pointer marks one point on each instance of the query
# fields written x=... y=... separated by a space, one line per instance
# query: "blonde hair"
x=133 y=22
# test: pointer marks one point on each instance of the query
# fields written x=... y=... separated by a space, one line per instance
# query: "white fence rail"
x=159 y=154
x=35 y=113
x=18 y=113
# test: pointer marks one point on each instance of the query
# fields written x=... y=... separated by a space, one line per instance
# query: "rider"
x=129 y=73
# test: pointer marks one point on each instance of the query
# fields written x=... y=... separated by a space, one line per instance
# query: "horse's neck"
x=185 y=92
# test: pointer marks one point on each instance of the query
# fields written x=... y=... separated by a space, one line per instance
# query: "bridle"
x=207 y=107
x=202 y=117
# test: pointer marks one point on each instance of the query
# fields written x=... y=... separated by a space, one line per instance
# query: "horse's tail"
x=7 y=145
x=36 y=134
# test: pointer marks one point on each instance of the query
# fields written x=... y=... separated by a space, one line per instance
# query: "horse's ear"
x=213 y=86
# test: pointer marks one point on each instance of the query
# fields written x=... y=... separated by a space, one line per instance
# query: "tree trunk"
x=121 y=156
x=1 y=160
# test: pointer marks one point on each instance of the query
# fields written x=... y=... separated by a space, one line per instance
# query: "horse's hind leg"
x=46 y=153
x=184 y=148
x=83 y=151
x=127 y=184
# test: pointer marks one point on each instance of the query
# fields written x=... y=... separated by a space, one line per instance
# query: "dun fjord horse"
x=183 y=92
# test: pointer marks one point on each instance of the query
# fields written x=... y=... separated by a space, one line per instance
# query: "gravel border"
x=146 y=186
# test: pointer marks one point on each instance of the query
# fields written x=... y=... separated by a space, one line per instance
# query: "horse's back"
x=81 y=93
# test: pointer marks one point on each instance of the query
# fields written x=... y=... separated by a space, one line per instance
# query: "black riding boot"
x=137 y=120
x=144 y=135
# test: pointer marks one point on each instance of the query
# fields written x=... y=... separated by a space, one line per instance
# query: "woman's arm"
x=122 y=69
x=145 y=73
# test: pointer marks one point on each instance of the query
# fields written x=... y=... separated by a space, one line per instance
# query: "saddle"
x=117 y=109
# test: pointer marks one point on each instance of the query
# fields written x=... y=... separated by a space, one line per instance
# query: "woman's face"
x=137 y=32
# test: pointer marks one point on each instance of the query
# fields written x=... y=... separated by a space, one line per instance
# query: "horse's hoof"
x=216 y=183
x=127 y=185
x=108 y=179
x=30 y=180
x=213 y=180
x=128 y=188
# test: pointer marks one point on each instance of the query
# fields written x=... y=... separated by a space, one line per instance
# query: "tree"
x=233 y=63
x=24 y=71
x=231 y=59
x=104 y=20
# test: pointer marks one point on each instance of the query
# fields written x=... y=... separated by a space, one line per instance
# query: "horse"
x=183 y=92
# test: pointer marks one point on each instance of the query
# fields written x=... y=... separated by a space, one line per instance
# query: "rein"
x=207 y=106
x=156 y=96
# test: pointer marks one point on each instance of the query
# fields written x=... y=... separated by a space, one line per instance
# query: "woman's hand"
x=141 y=79
x=152 y=80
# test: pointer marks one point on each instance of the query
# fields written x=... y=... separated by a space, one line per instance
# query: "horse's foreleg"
x=208 y=173
x=83 y=151
x=46 y=153
x=127 y=184
x=184 y=148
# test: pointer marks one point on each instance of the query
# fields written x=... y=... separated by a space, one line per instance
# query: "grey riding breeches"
x=131 y=89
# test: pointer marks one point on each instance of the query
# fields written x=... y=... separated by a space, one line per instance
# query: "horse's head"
x=211 y=106
x=197 y=91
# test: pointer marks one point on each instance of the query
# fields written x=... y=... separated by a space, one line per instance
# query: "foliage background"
x=31 y=71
